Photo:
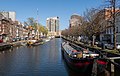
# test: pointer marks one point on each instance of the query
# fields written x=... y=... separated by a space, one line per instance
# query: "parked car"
x=101 y=44
x=22 y=38
x=26 y=38
x=18 y=39
x=109 y=46
x=118 y=46
x=14 y=40
x=106 y=45
x=1 y=41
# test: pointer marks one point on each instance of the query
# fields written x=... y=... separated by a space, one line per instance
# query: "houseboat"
x=31 y=42
x=35 y=42
x=81 y=60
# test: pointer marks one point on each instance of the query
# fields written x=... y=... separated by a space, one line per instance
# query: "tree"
x=65 y=33
x=30 y=22
x=85 y=29
x=96 y=22
x=93 y=24
x=36 y=26
x=75 y=31
x=43 y=29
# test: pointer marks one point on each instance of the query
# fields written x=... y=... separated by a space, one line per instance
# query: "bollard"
x=112 y=67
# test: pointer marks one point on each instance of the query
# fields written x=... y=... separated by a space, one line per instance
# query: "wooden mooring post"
x=113 y=65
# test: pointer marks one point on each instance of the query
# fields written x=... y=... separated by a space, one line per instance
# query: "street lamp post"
x=113 y=2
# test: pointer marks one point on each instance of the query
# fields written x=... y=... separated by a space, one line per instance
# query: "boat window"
x=79 y=55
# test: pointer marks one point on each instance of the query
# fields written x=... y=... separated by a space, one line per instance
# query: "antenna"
x=37 y=16
x=37 y=32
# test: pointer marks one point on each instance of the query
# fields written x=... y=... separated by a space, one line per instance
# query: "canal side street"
x=7 y=45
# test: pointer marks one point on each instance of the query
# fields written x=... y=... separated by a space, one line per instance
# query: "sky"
x=48 y=8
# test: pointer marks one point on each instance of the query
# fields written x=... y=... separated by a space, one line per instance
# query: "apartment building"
x=53 y=26
x=75 y=20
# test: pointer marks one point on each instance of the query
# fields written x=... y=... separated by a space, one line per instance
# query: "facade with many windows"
x=11 y=15
x=118 y=29
x=75 y=20
x=5 y=25
x=53 y=26
x=108 y=34
x=9 y=29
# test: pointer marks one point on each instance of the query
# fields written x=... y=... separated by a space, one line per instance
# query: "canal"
x=42 y=60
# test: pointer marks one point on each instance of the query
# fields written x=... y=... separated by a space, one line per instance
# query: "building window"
x=107 y=31
x=110 y=31
x=118 y=38
x=0 y=28
x=116 y=29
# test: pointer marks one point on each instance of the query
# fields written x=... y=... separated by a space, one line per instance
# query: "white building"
x=53 y=26
x=11 y=15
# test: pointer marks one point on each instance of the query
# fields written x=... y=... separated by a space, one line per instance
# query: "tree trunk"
x=93 y=41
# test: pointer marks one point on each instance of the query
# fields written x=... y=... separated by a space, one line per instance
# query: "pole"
x=37 y=32
x=114 y=27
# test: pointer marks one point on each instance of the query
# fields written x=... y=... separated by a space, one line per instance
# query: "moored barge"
x=81 y=60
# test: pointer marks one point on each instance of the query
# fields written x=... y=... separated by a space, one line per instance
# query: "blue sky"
x=48 y=8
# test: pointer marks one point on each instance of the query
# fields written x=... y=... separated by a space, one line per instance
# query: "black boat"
x=79 y=60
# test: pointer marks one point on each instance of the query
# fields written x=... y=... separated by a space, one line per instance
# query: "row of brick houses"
x=10 y=29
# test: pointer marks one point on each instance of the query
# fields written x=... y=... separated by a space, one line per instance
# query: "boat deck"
x=85 y=52
x=67 y=47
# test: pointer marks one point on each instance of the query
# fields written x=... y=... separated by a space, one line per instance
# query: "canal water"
x=42 y=60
